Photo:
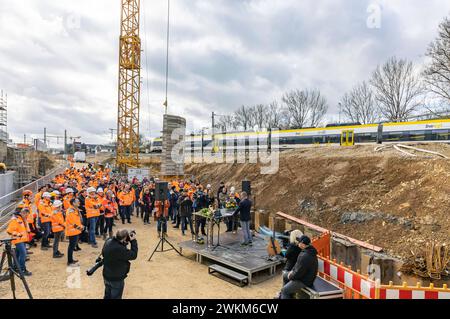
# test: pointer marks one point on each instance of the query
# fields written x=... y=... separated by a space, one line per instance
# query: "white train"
x=347 y=134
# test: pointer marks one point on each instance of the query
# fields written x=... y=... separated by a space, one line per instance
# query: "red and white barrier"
x=350 y=279
x=413 y=293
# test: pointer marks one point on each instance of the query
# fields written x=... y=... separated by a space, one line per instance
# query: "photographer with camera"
x=116 y=262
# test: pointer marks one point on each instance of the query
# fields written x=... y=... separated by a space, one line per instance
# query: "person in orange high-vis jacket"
x=161 y=216
x=110 y=206
x=126 y=200
x=45 y=214
x=58 y=226
x=92 y=205
x=67 y=198
x=74 y=227
x=18 y=230
x=100 y=226
x=38 y=196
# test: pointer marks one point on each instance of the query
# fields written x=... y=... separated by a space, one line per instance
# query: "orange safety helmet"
x=27 y=192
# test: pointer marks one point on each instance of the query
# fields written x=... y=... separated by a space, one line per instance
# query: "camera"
x=98 y=264
x=129 y=235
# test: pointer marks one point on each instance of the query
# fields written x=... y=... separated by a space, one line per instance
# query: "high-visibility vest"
x=57 y=221
x=158 y=206
x=126 y=199
x=37 y=199
x=91 y=210
x=110 y=208
x=18 y=230
x=66 y=201
x=73 y=223
x=45 y=211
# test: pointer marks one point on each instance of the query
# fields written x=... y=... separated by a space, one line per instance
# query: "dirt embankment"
x=388 y=199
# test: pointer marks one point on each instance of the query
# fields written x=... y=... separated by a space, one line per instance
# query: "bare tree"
x=305 y=108
x=274 y=115
x=359 y=105
x=226 y=123
x=437 y=73
x=260 y=113
x=319 y=107
x=397 y=89
x=243 y=117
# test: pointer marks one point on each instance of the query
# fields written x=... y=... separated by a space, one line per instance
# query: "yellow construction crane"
x=129 y=86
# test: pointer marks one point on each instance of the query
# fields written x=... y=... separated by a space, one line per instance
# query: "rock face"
x=357 y=217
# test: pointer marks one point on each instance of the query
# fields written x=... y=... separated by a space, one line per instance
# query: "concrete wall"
x=7 y=183
x=169 y=165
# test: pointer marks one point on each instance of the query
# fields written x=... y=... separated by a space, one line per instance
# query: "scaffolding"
x=24 y=166
x=3 y=116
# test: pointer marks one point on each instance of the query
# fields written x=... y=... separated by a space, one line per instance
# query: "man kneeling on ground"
x=304 y=272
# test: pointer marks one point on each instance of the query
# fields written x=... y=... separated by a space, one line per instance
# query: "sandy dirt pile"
x=386 y=198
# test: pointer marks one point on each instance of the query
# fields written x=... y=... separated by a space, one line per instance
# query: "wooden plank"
x=324 y=230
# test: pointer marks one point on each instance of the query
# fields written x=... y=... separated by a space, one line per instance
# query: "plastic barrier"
x=322 y=244
x=418 y=292
x=355 y=285
x=358 y=286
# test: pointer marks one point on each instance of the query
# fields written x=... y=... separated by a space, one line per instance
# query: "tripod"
x=163 y=238
x=9 y=256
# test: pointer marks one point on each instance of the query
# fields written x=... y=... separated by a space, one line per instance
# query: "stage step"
x=243 y=279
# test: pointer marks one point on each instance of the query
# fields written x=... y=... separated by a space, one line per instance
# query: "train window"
x=440 y=135
x=365 y=137
x=417 y=135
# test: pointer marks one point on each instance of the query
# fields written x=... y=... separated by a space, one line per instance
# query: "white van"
x=79 y=157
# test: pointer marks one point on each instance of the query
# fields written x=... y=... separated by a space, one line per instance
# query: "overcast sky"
x=59 y=59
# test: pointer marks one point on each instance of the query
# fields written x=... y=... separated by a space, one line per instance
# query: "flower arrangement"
x=231 y=204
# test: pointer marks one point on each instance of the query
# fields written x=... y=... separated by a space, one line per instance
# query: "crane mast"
x=129 y=86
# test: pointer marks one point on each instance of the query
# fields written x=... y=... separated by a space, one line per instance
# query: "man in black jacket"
x=305 y=270
x=185 y=204
x=116 y=265
x=245 y=206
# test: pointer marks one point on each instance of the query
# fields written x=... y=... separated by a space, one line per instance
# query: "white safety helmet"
x=100 y=190
x=46 y=195
x=56 y=193
x=69 y=190
x=57 y=203
x=91 y=190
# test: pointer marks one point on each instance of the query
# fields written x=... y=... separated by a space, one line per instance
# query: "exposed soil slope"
x=387 y=198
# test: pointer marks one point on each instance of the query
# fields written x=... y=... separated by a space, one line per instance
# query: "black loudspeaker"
x=161 y=190
x=246 y=187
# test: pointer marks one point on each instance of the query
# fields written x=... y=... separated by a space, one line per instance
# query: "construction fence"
x=8 y=202
x=359 y=286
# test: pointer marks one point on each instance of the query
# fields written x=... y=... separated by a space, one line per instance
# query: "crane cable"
x=167 y=54
x=146 y=70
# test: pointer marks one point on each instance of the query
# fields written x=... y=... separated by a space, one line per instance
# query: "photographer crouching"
x=116 y=262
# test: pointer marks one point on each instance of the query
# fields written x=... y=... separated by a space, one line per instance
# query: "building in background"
x=3 y=117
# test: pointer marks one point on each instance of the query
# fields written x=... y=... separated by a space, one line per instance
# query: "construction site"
x=368 y=194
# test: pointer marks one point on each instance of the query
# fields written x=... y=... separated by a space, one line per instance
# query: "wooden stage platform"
x=245 y=259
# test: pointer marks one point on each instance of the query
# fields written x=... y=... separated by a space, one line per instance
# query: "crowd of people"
x=83 y=205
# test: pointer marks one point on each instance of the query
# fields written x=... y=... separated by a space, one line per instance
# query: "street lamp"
x=340 y=110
